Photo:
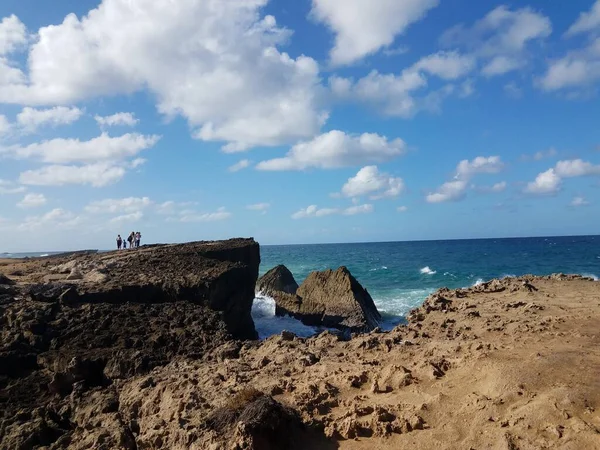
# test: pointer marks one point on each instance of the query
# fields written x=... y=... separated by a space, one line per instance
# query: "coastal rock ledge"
x=332 y=298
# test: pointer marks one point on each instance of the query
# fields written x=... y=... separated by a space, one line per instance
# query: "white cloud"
x=337 y=149
x=32 y=201
x=402 y=209
x=579 y=68
x=240 y=165
x=127 y=218
x=446 y=65
x=315 y=211
x=396 y=95
x=481 y=164
x=101 y=148
x=13 y=34
x=587 y=21
x=447 y=192
x=119 y=119
x=96 y=175
x=542 y=154
x=501 y=65
x=114 y=205
x=456 y=189
x=262 y=207
x=362 y=28
x=358 y=209
x=547 y=182
x=579 y=201
x=192 y=216
x=576 y=168
x=501 y=38
x=216 y=63
x=5 y=125
x=30 y=119
x=369 y=181
x=8 y=187
x=58 y=218
x=499 y=187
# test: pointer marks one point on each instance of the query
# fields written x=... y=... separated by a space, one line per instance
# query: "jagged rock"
x=332 y=299
x=279 y=279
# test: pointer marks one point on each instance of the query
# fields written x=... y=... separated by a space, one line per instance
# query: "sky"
x=297 y=122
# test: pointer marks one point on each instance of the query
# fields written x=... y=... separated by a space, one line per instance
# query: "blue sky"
x=297 y=122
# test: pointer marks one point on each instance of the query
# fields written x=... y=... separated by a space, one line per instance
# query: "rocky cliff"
x=75 y=323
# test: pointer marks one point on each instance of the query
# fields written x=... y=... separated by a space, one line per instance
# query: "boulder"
x=277 y=280
x=6 y=281
x=333 y=299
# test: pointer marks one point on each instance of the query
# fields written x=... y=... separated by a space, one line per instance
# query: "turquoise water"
x=400 y=275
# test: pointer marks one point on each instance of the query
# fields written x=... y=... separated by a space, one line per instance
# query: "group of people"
x=133 y=239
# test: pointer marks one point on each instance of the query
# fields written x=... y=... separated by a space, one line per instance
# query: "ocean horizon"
x=400 y=275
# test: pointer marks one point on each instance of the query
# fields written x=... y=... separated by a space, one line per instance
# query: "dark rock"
x=5 y=280
x=332 y=299
x=279 y=279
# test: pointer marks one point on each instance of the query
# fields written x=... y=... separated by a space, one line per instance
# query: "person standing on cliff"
x=119 y=242
x=138 y=238
x=130 y=239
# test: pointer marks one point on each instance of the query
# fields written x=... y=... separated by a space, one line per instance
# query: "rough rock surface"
x=126 y=313
x=333 y=299
x=511 y=364
x=277 y=280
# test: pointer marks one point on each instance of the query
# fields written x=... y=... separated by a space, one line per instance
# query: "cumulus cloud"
x=501 y=38
x=96 y=175
x=402 y=94
x=369 y=181
x=119 y=119
x=30 y=119
x=587 y=21
x=579 y=68
x=118 y=205
x=101 y=148
x=481 y=164
x=362 y=28
x=576 y=168
x=546 y=183
x=447 y=192
x=32 y=201
x=337 y=149
x=579 y=201
x=457 y=189
x=240 y=165
x=213 y=62
x=315 y=211
x=499 y=187
x=550 y=181
x=13 y=34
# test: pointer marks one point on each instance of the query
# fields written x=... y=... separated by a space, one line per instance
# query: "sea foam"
x=267 y=324
x=427 y=271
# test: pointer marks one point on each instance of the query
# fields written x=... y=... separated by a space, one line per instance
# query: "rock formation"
x=123 y=315
x=278 y=279
x=333 y=299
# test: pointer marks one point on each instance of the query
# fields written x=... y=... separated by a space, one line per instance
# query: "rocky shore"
x=155 y=349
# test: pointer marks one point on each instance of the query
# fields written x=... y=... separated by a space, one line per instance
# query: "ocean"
x=400 y=275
